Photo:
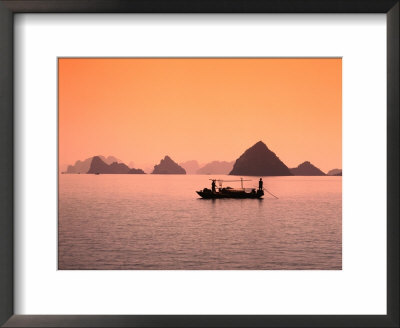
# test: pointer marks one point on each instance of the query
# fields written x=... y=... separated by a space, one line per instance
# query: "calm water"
x=159 y=222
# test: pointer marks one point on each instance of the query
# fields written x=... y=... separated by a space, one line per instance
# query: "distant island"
x=258 y=160
x=98 y=166
x=337 y=172
x=307 y=169
x=190 y=167
x=84 y=166
x=216 y=167
x=168 y=166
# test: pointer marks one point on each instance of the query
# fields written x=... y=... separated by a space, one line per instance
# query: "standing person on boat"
x=213 y=185
x=260 y=184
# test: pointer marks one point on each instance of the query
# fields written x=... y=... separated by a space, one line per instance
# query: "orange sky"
x=205 y=109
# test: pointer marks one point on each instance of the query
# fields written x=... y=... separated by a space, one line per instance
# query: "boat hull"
x=238 y=194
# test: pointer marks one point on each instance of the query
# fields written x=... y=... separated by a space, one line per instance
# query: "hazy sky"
x=205 y=109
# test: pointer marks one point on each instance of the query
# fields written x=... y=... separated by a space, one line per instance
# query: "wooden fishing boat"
x=228 y=192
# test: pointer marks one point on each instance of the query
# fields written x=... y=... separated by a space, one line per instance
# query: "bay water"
x=158 y=222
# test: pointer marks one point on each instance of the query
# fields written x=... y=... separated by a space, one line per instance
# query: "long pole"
x=270 y=193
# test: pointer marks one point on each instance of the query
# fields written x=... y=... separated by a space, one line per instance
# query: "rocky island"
x=84 y=166
x=258 y=160
x=168 y=166
x=98 y=166
x=336 y=172
x=307 y=169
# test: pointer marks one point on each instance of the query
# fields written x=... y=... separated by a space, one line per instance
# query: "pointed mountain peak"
x=258 y=160
x=98 y=166
x=168 y=166
x=306 y=163
x=307 y=169
x=98 y=159
x=259 y=144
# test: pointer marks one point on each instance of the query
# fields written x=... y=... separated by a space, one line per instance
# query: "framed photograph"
x=199 y=164
x=214 y=107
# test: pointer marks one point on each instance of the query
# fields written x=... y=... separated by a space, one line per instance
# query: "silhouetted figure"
x=260 y=184
x=213 y=186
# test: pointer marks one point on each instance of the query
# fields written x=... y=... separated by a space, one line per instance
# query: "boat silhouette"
x=229 y=192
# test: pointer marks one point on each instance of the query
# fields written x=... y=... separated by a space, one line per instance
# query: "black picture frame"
x=10 y=7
